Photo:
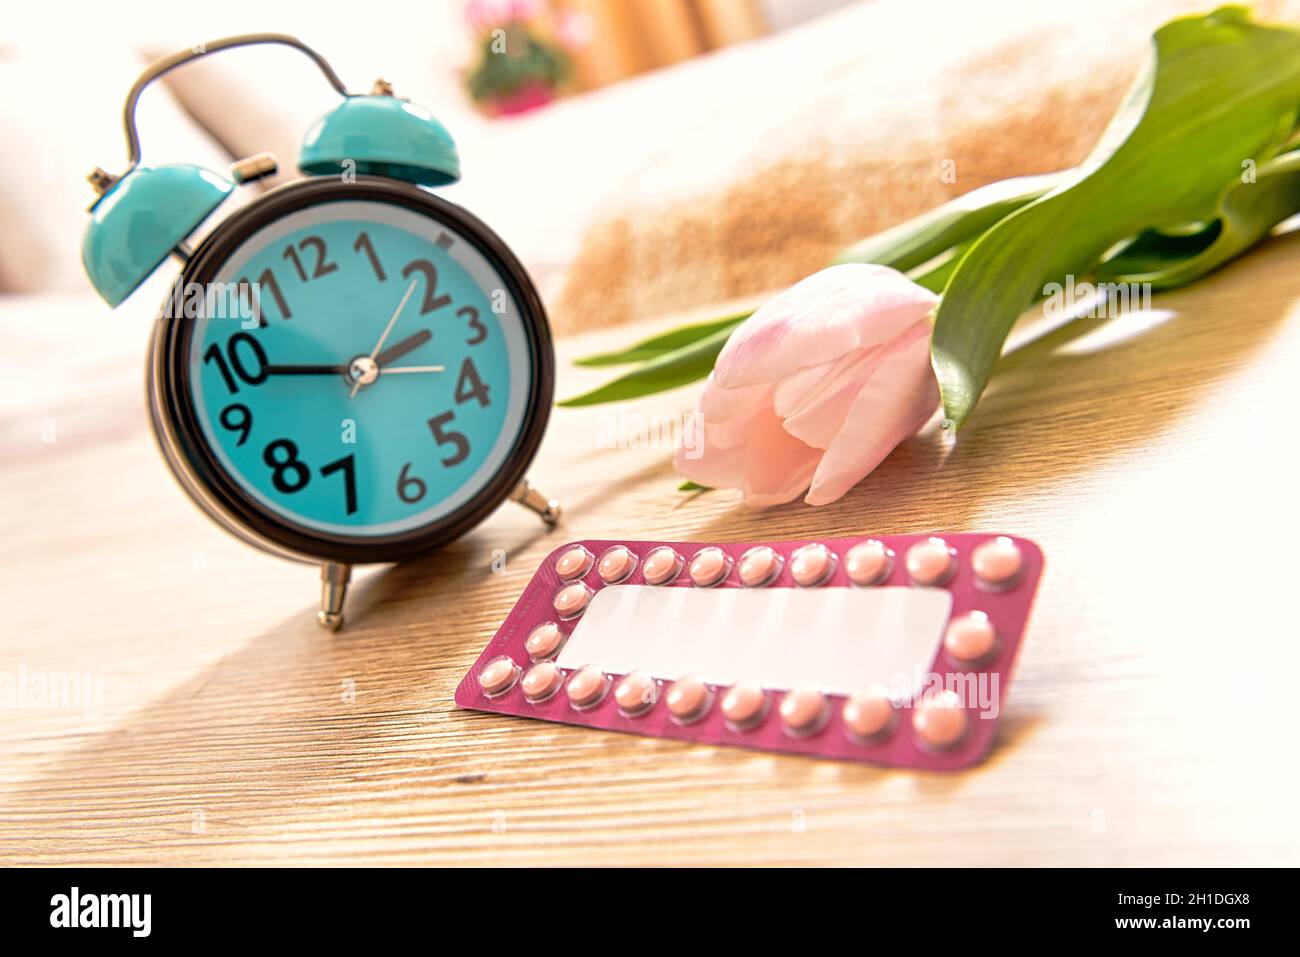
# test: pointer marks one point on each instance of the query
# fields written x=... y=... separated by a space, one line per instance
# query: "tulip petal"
x=712 y=448
x=818 y=320
x=815 y=402
x=710 y=465
x=778 y=467
x=749 y=451
x=896 y=401
x=727 y=412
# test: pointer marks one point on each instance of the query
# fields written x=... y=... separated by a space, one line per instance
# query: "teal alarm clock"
x=349 y=368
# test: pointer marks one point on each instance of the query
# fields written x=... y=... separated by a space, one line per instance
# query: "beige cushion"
x=765 y=159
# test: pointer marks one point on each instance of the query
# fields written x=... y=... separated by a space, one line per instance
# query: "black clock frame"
x=173 y=393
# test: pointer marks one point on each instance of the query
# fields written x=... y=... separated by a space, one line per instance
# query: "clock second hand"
x=387 y=329
x=389 y=371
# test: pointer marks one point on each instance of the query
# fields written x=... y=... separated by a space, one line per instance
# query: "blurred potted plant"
x=523 y=53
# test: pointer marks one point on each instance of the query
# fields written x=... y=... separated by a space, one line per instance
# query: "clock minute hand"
x=399 y=349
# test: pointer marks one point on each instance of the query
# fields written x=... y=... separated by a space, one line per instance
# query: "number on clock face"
x=378 y=388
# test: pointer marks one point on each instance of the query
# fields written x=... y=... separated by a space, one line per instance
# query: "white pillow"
x=60 y=117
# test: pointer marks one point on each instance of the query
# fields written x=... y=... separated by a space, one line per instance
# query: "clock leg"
x=334 y=580
x=547 y=509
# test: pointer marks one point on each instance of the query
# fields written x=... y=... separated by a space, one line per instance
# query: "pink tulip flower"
x=814 y=389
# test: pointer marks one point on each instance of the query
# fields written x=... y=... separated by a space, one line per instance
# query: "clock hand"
x=384 y=370
x=397 y=350
x=387 y=329
x=393 y=352
x=306 y=370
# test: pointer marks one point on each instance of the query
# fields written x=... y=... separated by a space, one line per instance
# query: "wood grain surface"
x=1153 y=457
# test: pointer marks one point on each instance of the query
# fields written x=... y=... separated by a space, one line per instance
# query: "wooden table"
x=1153 y=456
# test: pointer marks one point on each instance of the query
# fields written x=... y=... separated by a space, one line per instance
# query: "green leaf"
x=689 y=486
x=1219 y=90
x=919 y=240
x=667 y=371
x=1248 y=211
x=1156 y=250
x=664 y=343
x=934 y=274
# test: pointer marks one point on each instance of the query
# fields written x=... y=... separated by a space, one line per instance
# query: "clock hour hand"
x=399 y=349
x=306 y=370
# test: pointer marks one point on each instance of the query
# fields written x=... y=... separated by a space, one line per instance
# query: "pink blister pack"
x=894 y=649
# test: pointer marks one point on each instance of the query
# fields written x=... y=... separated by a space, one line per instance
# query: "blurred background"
x=642 y=157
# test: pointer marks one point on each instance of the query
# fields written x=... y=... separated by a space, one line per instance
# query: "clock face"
x=379 y=381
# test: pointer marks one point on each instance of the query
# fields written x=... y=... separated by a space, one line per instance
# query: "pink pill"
x=940 y=721
x=744 y=705
x=997 y=563
x=970 y=638
x=869 y=563
x=868 y=714
x=541 y=681
x=688 y=699
x=930 y=562
x=544 y=640
x=572 y=600
x=811 y=565
x=709 y=566
x=661 y=566
x=587 y=687
x=616 y=564
x=498 y=676
x=759 y=566
x=804 y=711
x=573 y=563
x=635 y=693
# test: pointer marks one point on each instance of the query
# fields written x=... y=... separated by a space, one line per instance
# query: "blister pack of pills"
x=895 y=649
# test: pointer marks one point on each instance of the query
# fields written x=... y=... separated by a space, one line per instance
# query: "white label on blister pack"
x=838 y=639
